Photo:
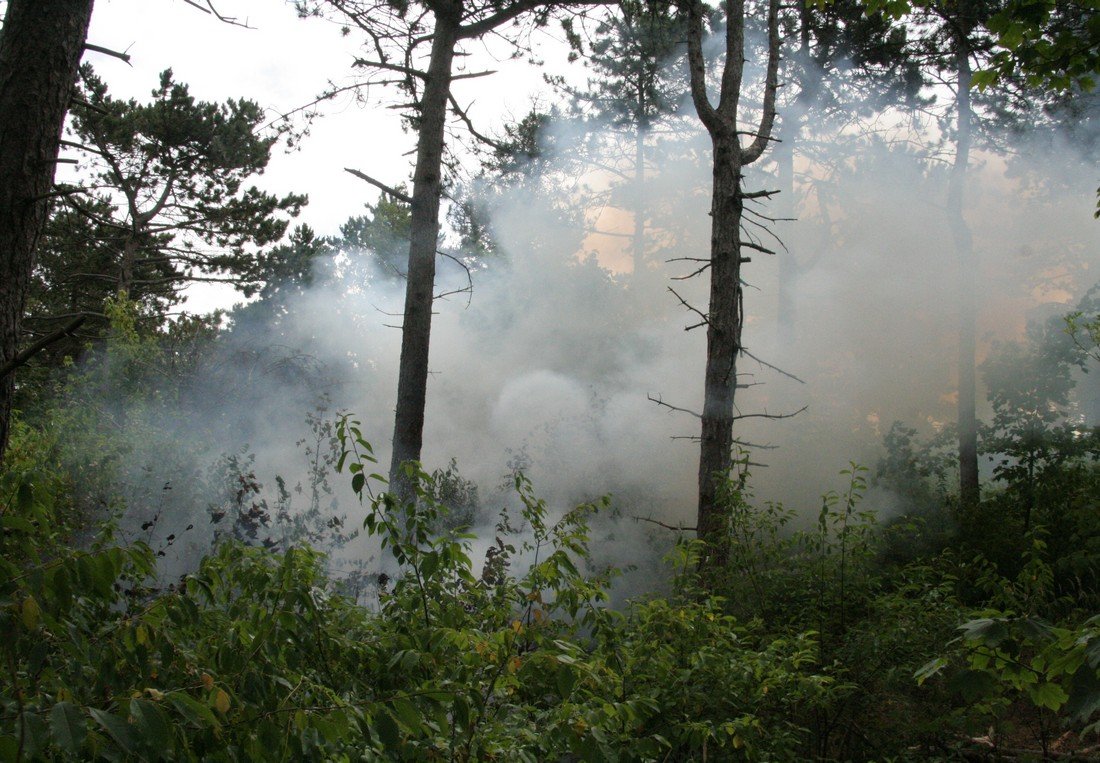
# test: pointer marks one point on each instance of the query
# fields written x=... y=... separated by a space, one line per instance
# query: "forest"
x=736 y=398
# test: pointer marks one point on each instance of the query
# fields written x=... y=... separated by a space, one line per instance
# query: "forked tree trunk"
x=40 y=47
x=725 y=311
x=412 y=381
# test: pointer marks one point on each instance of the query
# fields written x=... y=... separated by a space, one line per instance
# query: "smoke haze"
x=550 y=363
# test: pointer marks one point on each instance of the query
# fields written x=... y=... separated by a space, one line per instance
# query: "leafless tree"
x=724 y=316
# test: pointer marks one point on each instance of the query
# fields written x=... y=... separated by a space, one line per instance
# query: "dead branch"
x=363 y=63
x=758 y=194
x=703 y=316
x=468 y=289
x=473 y=75
x=747 y=444
x=21 y=358
x=777 y=369
x=701 y=269
x=75 y=101
x=80 y=146
x=462 y=115
x=108 y=52
x=208 y=7
x=671 y=407
x=379 y=184
x=766 y=415
x=757 y=247
x=659 y=523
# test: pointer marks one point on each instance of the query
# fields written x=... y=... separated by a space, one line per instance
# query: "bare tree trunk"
x=723 y=344
x=40 y=48
x=412 y=381
x=639 y=242
x=786 y=306
x=725 y=314
x=969 y=490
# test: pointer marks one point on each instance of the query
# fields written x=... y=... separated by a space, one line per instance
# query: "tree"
x=40 y=47
x=1053 y=43
x=724 y=315
x=382 y=234
x=396 y=36
x=631 y=57
x=877 y=70
x=170 y=196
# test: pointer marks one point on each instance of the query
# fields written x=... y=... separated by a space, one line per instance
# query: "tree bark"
x=969 y=489
x=412 y=382
x=725 y=312
x=40 y=49
x=725 y=316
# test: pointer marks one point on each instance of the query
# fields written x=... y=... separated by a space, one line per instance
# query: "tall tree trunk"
x=412 y=381
x=786 y=306
x=725 y=316
x=40 y=48
x=969 y=490
x=639 y=242
x=725 y=312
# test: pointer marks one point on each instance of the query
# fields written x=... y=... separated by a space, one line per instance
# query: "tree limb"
x=21 y=358
x=661 y=402
x=766 y=415
x=777 y=369
x=379 y=184
x=108 y=52
x=659 y=523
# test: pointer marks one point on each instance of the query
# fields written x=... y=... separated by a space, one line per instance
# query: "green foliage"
x=169 y=205
x=1012 y=655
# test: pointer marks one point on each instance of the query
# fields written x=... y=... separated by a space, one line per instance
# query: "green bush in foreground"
x=254 y=657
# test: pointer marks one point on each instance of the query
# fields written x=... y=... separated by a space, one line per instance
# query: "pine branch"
x=21 y=358
x=379 y=184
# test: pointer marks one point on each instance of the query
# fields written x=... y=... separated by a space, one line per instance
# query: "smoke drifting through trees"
x=551 y=365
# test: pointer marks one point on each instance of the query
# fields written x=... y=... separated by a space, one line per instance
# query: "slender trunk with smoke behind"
x=639 y=242
x=412 y=382
x=790 y=129
x=455 y=20
x=964 y=249
x=40 y=48
x=725 y=312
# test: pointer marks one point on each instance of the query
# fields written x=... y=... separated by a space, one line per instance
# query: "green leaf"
x=152 y=723
x=16 y=523
x=118 y=729
x=191 y=709
x=1084 y=696
x=405 y=711
x=1048 y=695
x=68 y=727
x=929 y=669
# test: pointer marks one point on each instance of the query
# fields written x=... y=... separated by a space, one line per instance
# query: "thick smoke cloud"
x=550 y=364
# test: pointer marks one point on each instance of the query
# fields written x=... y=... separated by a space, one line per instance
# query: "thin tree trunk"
x=40 y=49
x=412 y=382
x=723 y=345
x=969 y=490
x=786 y=306
x=639 y=242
